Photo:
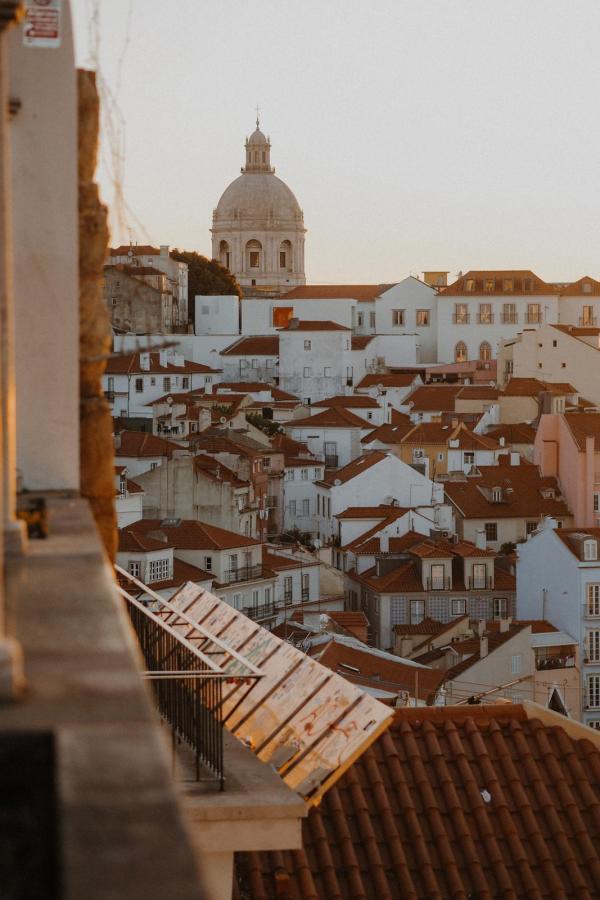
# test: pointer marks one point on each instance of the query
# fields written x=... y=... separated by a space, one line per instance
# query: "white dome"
x=257 y=137
x=258 y=195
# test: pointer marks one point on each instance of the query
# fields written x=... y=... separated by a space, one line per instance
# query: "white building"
x=333 y=435
x=133 y=381
x=483 y=308
x=312 y=359
x=217 y=314
x=128 y=499
x=558 y=578
x=161 y=259
x=299 y=496
x=258 y=226
x=253 y=358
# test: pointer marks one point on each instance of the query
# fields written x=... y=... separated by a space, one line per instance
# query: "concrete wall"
x=553 y=355
x=217 y=314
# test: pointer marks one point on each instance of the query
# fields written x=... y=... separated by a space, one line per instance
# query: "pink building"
x=567 y=445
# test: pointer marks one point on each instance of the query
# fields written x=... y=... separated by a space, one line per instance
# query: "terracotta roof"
x=182 y=572
x=434 y=397
x=584 y=287
x=366 y=512
x=473 y=801
x=387 y=380
x=214 y=469
x=369 y=543
x=137 y=270
x=519 y=433
x=521 y=486
x=253 y=387
x=538 y=626
x=130 y=542
x=349 y=619
x=579 y=332
x=470 y=649
x=254 y=345
x=469 y=440
x=136 y=249
x=478 y=392
x=532 y=387
x=130 y=365
x=360 y=341
x=353 y=469
x=426 y=626
x=191 y=535
x=312 y=325
x=133 y=487
x=582 y=426
x=335 y=417
x=141 y=444
x=348 y=401
x=358 y=292
x=398 y=418
x=566 y=535
x=282 y=441
x=518 y=277
x=428 y=433
x=388 y=433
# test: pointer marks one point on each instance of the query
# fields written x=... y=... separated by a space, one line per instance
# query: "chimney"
x=480 y=628
x=501 y=441
x=480 y=540
x=145 y=361
x=164 y=249
x=505 y=625
x=293 y=324
x=515 y=459
x=384 y=543
x=483 y=646
x=117 y=440
x=163 y=357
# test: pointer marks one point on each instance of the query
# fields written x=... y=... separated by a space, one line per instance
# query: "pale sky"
x=416 y=134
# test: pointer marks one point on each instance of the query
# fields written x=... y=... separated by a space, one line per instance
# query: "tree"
x=205 y=276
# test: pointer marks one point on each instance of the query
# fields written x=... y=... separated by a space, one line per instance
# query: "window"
x=593 y=691
x=369 y=416
x=287 y=590
x=593 y=645
x=267 y=595
x=497 y=495
x=594 y=723
x=530 y=527
x=593 y=601
x=306 y=401
x=470 y=285
x=307 y=345
x=469 y=457
x=596 y=502
x=587 y=315
x=515 y=664
x=534 y=313
x=318 y=504
x=397 y=317
x=500 y=606
x=289 y=474
x=185 y=383
x=371 y=320
x=479 y=576
x=166 y=384
x=307 y=372
x=139 y=385
x=485 y=314
x=437 y=578
x=327 y=371
x=417 y=611
x=292 y=507
x=586 y=287
x=153 y=466
x=266 y=463
x=254 y=259
x=508 y=285
x=485 y=351
x=133 y=567
x=489 y=284
x=590 y=549
x=303 y=474
x=316 y=473
x=527 y=284
x=233 y=561
x=305 y=586
x=422 y=318
x=153 y=381
x=509 y=314
x=461 y=314
x=158 y=569
x=115 y=300
x=282 y=259
x=360 y=319
x=460 y=352
x=306 y=507
x=255 y=598
x=458 y=607
x=236 y=601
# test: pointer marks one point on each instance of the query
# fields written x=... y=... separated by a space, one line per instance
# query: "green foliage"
x=508 y=548
x=295 y=536
x=268 y=426
x=205 y=276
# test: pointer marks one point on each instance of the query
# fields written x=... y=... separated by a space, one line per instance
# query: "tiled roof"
x=254 y=345
x=192 y=535
x=567 y=536
x=217 y=471
x=582 y=426
x=254 y=387
x=388 y=433
x=532 y=387
x=519 y=433
x=358 y=292
x=398 y=418
x=584 y=287
x=137 y=250
x=360 y=341
x=474 y=801
x=129 y=364
x=434 y=397
x=349 y=619
x=348 y=401
x=369 y=543
x=521 y=493
x=579 y=332
x=469 y=440
x=387 y=380
x=276 y=562
x=285 y=443
x=335 y=417
x=366 y=512
x=141 y=444
x=353 y=469
x=130 y=542
x=518 y=276
x=470 y=649
x=134 y=488
x=428 y=433
x=426 y=626
x=313 y=325
x=137 y=270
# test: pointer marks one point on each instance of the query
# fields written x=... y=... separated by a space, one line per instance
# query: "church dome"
x=257 y=137
x=258 y=196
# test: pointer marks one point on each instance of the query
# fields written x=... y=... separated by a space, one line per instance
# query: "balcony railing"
x=305 y=593
x=461 y=318
x=331 y=461
x=287 y=598
x=439 y=584
x=261 y=611
x=243 y=573
x=533 y=318
x=510 y=318
x=588 y=321
x=110 y=396
x=271 y=502
x=554 y=662
x=485 y=319
x=480 y=583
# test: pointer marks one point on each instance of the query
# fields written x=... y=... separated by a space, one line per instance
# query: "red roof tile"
x=434 y=397
x=518 y=277
x=533 y=387
x=254 y=345
x=140 y=444
x=136 y=249
x=348 y=401
x=478 y=801
x=584 y=287
x=367 y=512
x=360 y=341
x=191 y=535
x=129 y=364
x=360 y=292
x=353 y=469
x=388 y=433
x=518 y=433
x=335 y=417
x=582 y=426
x=313 y=325
x=387 y=380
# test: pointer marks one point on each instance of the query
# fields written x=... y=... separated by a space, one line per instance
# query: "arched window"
x=253 y=254
x=460 y=352
x=285 y=255
x=224 y=254
x=485 y=351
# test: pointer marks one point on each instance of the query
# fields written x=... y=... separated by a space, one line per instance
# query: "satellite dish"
x=337 y=482
x=223 y=419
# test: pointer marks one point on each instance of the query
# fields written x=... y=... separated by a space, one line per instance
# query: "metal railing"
x=260 y=611
x=554 y=662
x=589 y=321
x=510 y=319
x=243 y=573
x=109 y=396
x=533 y=318
x=480 y=583
x=187 y=682
x=305 y=594
x=485 y=319
x=331 y=461
x=439 y=584
x=287 y=597
x=461 y=318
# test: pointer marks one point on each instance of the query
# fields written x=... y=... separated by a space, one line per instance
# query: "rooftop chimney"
x=483 y=646
x=515 y=459
x=293 y=324
x=480 y=540
x=384 y=543
x=145 y=361
x=480 y=628
x=505 y=625
x=117 y=440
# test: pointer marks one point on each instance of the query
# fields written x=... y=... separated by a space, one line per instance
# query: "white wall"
x=217 y=314
x=410 y=295
x=257 y=312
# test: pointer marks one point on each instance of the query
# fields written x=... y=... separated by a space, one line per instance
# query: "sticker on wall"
x=41 y=25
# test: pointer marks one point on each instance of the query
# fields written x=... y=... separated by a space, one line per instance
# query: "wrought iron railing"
x=260 y=611
x=589 y=321
x=480 y=583
x=331 y=461
x=243 y=573
x=439 y=584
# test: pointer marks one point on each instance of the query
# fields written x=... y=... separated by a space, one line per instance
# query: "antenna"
x=257 y=116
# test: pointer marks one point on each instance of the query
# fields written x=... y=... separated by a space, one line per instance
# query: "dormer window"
x=549 y=494
x=590 y=549
x=470 y=285
x=508 y=285
x=527 y=284
x=489 y=285
x=586 y=288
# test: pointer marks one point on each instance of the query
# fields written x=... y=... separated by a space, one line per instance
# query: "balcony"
x=260 y=612
x=305 y=595
x=438 y=584
x=271 y=502
x=485 y=319
x=510 y=319
x=533 y=318
x=109 y=396
x=554 y=662
x=287 y=598
x=481 y=583
x=461 y=318
x=243 y=573
x=331 y=461
x=588 y=321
